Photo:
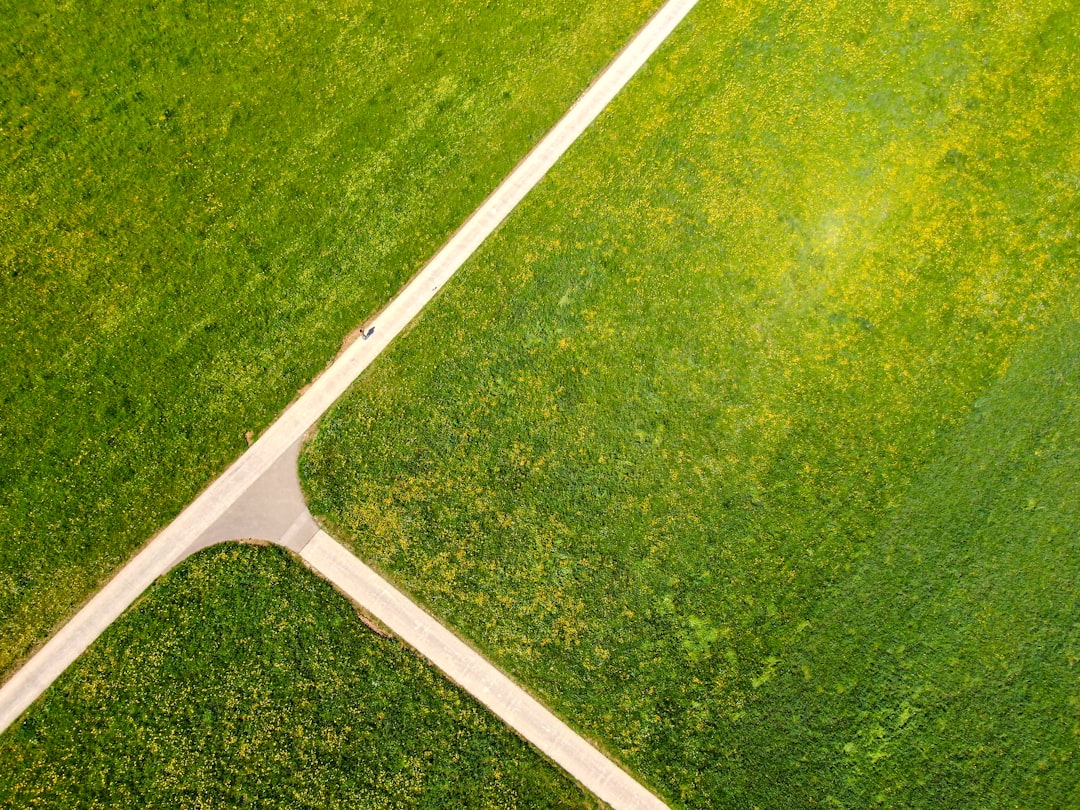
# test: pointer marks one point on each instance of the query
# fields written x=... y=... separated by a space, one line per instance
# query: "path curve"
x=258 y=495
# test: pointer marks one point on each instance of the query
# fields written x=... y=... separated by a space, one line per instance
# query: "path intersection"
x=259 y=496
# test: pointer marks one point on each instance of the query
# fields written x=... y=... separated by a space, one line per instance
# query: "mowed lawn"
x=198 y=202
x=750 y=442
x=243 y=680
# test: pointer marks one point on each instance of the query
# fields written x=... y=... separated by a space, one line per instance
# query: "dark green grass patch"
x=243 y=680
x=731 y=443
x=942 y=670
x=197 y=202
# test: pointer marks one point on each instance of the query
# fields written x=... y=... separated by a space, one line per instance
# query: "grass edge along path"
x=463 y=665
x=242 y=678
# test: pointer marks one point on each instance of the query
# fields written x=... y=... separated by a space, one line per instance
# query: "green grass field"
x=750 y=442
x=199 y=201
x=242 y=680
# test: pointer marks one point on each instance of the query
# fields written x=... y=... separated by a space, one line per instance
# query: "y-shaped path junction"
x=259 y=496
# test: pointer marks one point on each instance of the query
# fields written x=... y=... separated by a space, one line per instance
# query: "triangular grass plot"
x=242 y=679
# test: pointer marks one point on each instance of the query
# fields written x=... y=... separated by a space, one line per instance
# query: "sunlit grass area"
x=243 y=680
x=199 y=201
x=750 y=442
